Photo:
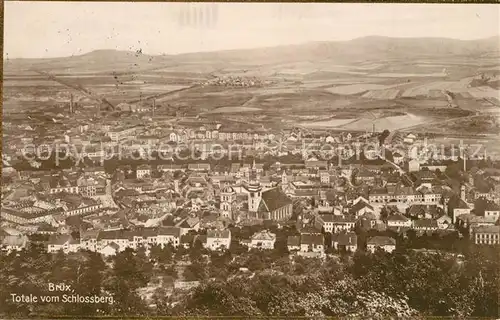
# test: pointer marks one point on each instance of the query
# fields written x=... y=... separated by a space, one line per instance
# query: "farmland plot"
x=357 y=88
x=371 y=66
x=387 y=94
x=191 y=68
x=407 y=75
x=162 y=88
x=31 y=83
x=389 y=123
x=484 y=92
x=327 y=123
x=425 y=89
x=234 y=110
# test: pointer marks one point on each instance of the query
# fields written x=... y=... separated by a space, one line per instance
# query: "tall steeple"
x=253 y=179
x=462 y=193
x=254 y=190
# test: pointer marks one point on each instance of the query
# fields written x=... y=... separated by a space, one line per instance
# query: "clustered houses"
x=32 y=214
x=402 y=194
x=309 y=243
x=110 y=242
x=254 y=181
x=87 y=184
x=121 y=133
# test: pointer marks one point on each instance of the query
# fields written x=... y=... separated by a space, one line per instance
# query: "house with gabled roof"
x=360 y=208
x=347 y=241
x=168 y=235
x=88 y=240
x=492 y=209
x=218 y=239
x=425 y=225
x=64 y=242
x=120 y=237
x=335 y=223
x=470 y=221
x=188 y=224
x=45 y=228
x=312 y=243
x=487 y=235
x=457 y=206
x=110 y=249
x=261 y=240
x=86 y=206
x=387 y=244
x=398 y=220
x=424 y=211
x=63 y=183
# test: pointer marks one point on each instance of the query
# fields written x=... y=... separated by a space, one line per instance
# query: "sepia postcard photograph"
x=250 y=160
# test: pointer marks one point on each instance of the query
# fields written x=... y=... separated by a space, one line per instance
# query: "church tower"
x=462 y=193
x=254 y=191
x=284 y=180
x=227 y=196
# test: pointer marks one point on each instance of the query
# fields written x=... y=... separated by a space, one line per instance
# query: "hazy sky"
x=53 y=29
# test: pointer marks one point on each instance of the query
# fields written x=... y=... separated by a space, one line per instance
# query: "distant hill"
x=361 y=48
x=366 y=48
x=96 y=61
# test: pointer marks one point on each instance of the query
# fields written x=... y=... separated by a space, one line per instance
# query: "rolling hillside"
x=361 y=49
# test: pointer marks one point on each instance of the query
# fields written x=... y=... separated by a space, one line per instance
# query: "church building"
x=270 y=204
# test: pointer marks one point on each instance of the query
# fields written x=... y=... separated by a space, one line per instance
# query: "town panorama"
x=355 y=176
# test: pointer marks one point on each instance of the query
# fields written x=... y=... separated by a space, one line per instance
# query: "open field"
x=332 y=123
x=484 y=92
x=387 y=94
x=406 y=75
x=369 y=66
x=30 y=83
x=424 y=89
x=315 y=86
x=389 y=123
x=129 y=87
x=234 y=110
x=356 y=88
